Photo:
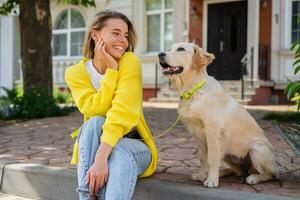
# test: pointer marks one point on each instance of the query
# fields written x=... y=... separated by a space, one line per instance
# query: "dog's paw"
x=253 y=179
x=199 y=176
x=211 y=182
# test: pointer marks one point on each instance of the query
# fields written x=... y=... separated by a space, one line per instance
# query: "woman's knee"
x=92 y=126
x=96 y=120
x=121 y=156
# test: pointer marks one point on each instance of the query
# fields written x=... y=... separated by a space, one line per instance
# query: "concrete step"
x=233 y=88
x=4 y=196
x=57 y=183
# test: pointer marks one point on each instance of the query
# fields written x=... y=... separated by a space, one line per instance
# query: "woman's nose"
x=123 y=38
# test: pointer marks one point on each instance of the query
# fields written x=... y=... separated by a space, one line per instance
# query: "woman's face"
x=115 y=37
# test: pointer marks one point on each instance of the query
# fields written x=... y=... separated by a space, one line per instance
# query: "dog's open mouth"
x=169 y=70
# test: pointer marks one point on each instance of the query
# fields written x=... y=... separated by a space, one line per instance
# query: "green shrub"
x=293 y=88
x=283 y=116
x=62 y=97
x=35 y=104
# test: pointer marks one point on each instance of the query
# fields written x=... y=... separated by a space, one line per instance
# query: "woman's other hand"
x=97 y=175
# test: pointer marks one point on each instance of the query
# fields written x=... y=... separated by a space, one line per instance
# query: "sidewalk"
x=47 y=142
x=4 y=196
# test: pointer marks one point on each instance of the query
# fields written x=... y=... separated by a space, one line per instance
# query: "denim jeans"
x=128 y=159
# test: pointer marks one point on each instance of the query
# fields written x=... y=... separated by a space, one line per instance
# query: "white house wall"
x=10 y=51
x=134 y=9
x=282 y=58
x=180 y=34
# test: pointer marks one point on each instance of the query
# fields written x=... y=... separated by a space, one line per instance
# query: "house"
x=251 y=36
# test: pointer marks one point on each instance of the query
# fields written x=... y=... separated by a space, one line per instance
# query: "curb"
x=57 y=183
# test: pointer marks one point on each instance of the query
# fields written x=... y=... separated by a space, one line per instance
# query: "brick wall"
x=196 y=21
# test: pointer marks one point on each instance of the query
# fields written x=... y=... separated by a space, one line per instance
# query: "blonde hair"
x=100 y=22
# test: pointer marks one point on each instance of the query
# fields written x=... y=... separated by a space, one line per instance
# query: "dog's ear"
x=201 y=59
x=209 y=57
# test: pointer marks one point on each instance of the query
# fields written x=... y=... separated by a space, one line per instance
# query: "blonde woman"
x=114 y=146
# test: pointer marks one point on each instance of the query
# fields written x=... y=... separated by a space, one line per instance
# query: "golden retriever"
x=219 y=124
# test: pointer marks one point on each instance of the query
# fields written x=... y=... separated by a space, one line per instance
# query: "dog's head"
x=183 y=58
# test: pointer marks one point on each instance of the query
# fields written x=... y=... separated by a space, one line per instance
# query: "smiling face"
x=115 y=36
x=183 y=58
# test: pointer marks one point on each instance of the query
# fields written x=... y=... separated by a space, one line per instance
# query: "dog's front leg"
x=213 y=137
x=202 y=154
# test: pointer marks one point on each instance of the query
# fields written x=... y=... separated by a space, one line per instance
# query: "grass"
x=293 y=117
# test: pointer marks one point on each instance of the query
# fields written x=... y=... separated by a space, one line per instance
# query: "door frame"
x=252 y=36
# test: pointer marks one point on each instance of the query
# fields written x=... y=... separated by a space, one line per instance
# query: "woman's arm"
x=89 y=101
x=97 y=174
x=126 y=103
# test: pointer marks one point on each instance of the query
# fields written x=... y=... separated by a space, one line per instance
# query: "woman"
x=106 y=86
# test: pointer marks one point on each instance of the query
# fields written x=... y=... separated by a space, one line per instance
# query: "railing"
x=244 y=71
x=58 y=70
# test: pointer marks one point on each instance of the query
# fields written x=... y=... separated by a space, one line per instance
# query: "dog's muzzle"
x=167 y=69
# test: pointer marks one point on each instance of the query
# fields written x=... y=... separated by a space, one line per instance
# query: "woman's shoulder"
x=129 y=56
x=77 y=69
x=130 y=60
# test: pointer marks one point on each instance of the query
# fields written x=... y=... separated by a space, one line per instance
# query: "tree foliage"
x=7 y=7
x=293 y=88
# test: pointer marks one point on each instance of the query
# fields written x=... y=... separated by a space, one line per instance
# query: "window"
x=159 y=25
x=295 y=25
x=68 y=33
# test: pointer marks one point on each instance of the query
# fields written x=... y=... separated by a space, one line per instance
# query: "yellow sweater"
x=119 y=99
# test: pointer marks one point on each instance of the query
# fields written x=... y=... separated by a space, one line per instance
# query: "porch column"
x=6 y=52
x=253 y=37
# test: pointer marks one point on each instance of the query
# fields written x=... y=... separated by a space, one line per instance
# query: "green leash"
x=185 y=96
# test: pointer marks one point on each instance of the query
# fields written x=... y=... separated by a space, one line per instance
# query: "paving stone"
x=182 y=170
x=296 y=160
x=50 y=144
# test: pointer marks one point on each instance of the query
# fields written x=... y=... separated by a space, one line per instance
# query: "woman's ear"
x=94 y=35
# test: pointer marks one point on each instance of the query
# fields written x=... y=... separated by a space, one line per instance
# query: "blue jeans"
x=128 y=159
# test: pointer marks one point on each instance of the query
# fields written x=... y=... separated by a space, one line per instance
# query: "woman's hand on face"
x=97 y=176
x=102 y=58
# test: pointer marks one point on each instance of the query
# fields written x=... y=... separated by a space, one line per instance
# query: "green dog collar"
x=188 y=94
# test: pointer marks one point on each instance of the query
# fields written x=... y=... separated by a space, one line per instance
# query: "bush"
x=62 y=97
x=293 y=88
x=283 y=116
x=35 y=104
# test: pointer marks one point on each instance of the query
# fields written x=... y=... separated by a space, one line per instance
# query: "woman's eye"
x=114 y=33
x=180 y=49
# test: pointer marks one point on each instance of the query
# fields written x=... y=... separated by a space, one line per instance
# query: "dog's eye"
x=180 y=49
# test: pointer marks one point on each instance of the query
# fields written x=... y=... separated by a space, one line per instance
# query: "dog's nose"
x=161 y=54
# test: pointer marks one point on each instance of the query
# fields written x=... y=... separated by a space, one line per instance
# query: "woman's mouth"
x=117 y=47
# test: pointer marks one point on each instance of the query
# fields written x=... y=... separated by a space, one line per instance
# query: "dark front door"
x=227 y=38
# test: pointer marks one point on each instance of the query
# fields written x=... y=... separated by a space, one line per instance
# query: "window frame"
x=68 y=31
x=161 y=12
x=291 y=22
